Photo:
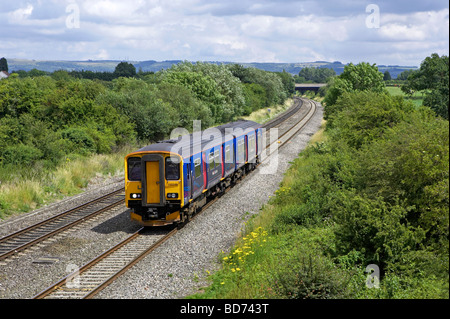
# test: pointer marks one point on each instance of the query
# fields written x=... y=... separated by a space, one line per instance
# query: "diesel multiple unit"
x=168 y=182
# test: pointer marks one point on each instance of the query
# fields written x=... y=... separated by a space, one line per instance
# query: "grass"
x=22 y=194
x=265 y=114
x=416 y=98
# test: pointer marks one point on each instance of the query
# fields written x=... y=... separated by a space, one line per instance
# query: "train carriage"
x=170 y=181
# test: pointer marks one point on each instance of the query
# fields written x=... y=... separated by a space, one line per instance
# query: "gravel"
x=175 y=269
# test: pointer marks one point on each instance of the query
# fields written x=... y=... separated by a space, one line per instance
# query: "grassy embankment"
x=293 y=249
x=265 y=114
x=262 y=254
x=34 y=188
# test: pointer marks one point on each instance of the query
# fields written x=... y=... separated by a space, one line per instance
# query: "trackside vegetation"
x=372 y=191
x=59 y=130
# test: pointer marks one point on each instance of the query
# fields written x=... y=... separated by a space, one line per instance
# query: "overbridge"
x=302 y=88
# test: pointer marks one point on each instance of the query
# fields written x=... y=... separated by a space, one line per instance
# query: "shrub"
x=362 y=117
x=20 y=154
x=81 y=141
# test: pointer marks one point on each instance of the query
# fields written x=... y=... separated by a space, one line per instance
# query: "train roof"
x=227 y=132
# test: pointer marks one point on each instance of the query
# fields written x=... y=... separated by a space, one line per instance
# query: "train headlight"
x=135 y=195
x=172 y=195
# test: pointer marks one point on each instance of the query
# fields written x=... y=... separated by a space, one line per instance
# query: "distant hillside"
x=151 y=65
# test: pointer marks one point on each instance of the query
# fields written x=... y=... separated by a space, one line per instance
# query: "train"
x=170 y=181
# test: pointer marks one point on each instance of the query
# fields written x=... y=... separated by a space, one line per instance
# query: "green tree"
x=362 y=117
x=315 y=75
x=359 y=77
x=125 y=69
x=288 y=82
x=309 y=74
x=410 y=164
x=227 y=86
x=387 y=76
x=254 y=97
x=152 y=117
x=433 y=79
x=188 y=107
x=3 y=65
x=404 y=75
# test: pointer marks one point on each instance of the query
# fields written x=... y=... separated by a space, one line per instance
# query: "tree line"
x=44 y=118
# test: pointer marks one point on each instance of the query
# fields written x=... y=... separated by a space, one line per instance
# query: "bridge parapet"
x=302 y=88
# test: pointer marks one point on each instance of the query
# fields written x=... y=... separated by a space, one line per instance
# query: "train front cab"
x=154 y=187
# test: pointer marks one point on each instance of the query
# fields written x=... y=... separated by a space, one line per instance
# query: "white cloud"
x=114 y=10
x=420 y=26
x=20 y=15
x=244 y=30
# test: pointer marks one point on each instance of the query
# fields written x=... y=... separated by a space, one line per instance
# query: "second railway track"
x=27 y=237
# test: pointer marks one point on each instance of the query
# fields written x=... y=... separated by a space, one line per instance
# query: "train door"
x=214 y=170
x=240 y=152
x=153 y=180
x=197 y=175
x=259 y=144
x=187 y=182
x=246 y=148
x=251 y=148
x=228 y=158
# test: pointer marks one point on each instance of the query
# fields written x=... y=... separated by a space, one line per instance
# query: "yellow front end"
x=154 y=187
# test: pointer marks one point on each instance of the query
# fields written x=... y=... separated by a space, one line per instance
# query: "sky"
x=385 y=32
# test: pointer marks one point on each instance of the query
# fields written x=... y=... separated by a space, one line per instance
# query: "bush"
x=310 y=276
x=360 y=77
x=20 y=155
x=362 y=117
x=80 y=141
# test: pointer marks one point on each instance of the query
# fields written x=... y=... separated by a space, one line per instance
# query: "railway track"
x=285 y=115
x=101 y=271
x=27 y=237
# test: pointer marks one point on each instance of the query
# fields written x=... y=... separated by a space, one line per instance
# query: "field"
x=416 y=98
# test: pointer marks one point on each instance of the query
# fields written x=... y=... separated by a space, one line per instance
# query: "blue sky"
x=383 y=32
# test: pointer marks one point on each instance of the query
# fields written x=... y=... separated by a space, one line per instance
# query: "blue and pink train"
x=168 y=182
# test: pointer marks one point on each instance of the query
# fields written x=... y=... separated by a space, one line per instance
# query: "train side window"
x=211 y=160
x=172 y=169
x=260 y=142
x=241 y=150
x=217 y=157
x=228 y=154
x=134 y=169
x=198 y=168
x=251 y=144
